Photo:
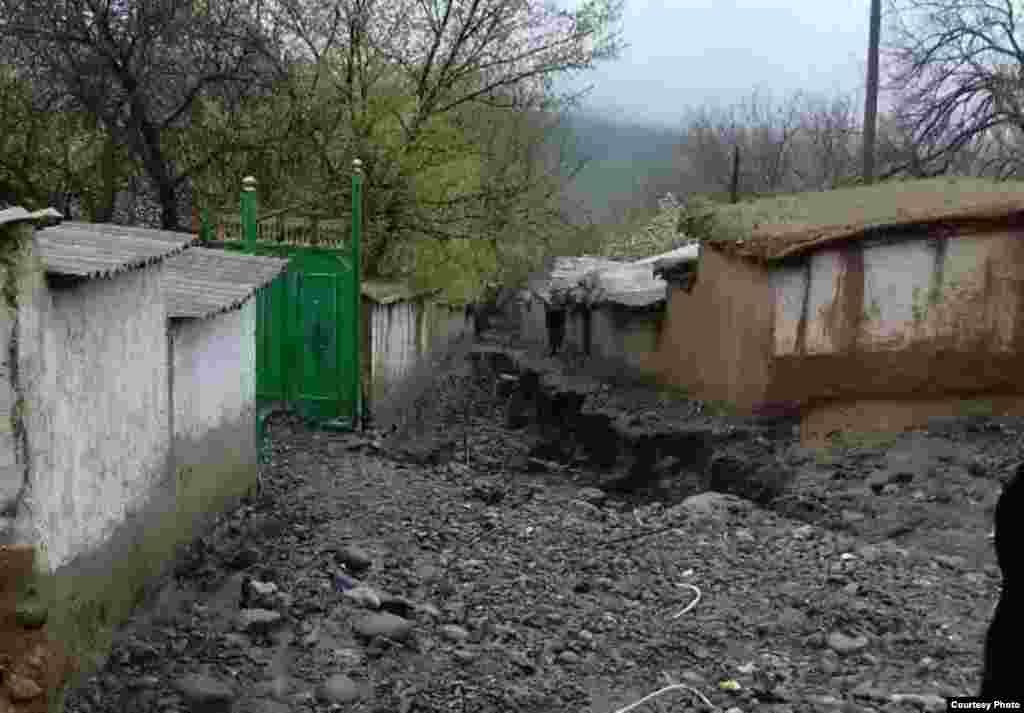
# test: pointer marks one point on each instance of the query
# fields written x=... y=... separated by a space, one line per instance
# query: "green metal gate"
x=307 y=329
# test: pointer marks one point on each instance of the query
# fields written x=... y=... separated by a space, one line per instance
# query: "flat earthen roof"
x=93 y=250
x=202 y=282
x=775 y=228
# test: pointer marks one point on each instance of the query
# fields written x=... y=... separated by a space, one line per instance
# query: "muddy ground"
x=451 y=567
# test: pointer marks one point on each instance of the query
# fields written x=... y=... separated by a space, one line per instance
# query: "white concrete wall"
x=214 y=371
x=93 y=363
x=978 y=294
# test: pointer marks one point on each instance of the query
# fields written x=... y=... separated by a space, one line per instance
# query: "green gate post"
x=204 y=226
x=357 y=220
x=248 y=209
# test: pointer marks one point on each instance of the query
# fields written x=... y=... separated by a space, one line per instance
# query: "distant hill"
x=621 y=156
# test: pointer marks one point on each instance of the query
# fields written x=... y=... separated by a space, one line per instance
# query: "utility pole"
x=871 y=94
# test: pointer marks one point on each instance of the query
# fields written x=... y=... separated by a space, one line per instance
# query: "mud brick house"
x=871 y=308
x=212 y=340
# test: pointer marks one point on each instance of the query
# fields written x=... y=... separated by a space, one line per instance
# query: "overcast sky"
x=688 y=52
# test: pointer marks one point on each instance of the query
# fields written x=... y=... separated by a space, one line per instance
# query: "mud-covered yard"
x=459 y=566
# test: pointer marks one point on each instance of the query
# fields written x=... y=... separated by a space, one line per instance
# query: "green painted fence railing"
x=307 y=329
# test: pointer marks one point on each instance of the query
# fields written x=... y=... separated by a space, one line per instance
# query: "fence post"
x=357 y=219
x=248 y=209
x=204 y=226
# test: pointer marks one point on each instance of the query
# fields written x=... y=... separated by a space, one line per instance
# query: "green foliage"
x=45 y=150
x=877 y=204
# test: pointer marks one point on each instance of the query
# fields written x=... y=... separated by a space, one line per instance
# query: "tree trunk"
x=168 y=206
x=104 y=212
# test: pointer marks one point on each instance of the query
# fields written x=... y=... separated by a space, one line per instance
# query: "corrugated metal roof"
x=776 y=228
x=17 y=214
x=564 y=280
x=384 y=292
x=635 y=284
x=202 y=282
x=100 y=250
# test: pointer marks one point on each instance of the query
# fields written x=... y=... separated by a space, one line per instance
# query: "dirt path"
x=512 y=590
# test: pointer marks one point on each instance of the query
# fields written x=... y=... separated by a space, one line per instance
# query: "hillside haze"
x=621 y=157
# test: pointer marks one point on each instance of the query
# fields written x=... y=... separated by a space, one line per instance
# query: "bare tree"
x=958 y=70
x=764 y=132
x=141 y=67
x=826 y=143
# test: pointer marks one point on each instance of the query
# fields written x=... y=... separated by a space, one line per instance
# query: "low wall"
x=400 y=335
x=98 y=508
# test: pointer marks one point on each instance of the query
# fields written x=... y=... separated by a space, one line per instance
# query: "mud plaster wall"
x=916 y=320
x=716 y=340
x=627 y=336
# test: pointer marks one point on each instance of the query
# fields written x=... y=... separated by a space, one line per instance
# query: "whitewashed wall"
x=402 y=334
x=93 y=363
x=214 y=371
x=394 y=342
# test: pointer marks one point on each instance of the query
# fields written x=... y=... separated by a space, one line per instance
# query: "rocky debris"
x=553 y=591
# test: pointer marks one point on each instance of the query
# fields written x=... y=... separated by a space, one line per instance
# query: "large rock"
x=205 y=694
x=339 y=689
x=711 y=503
x=355 y=559
x=383 y=624
x=258 y=621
